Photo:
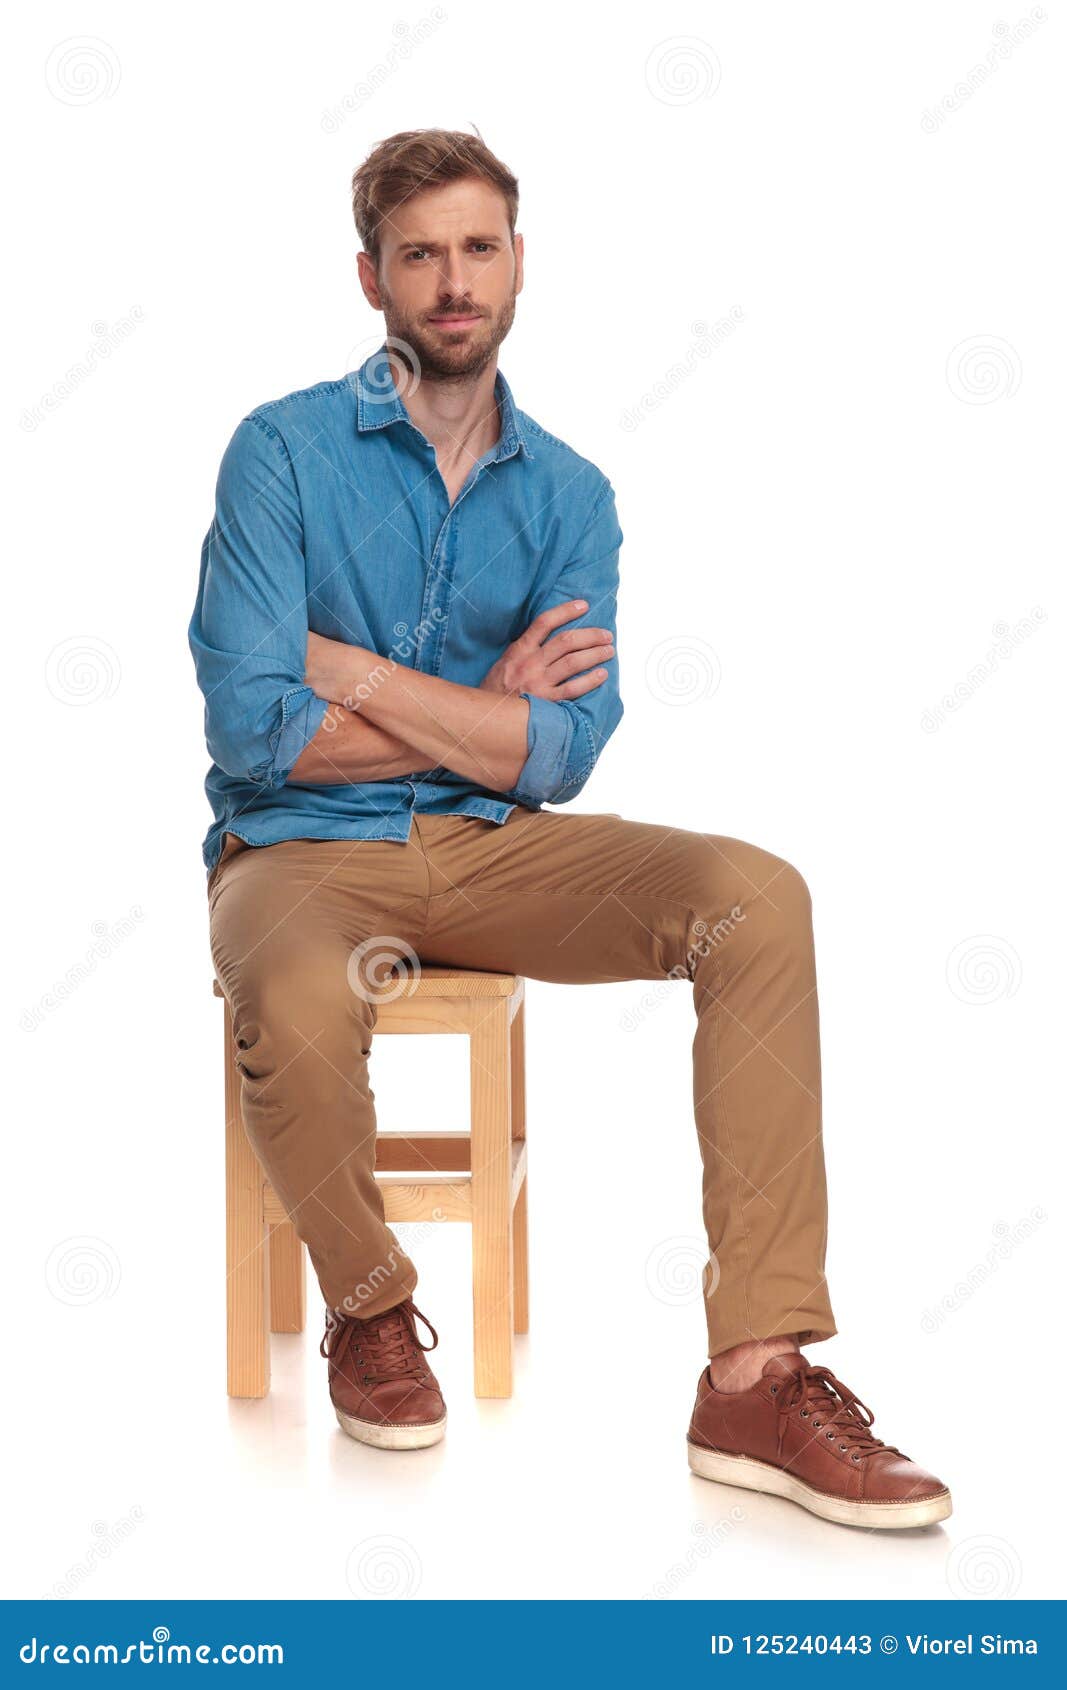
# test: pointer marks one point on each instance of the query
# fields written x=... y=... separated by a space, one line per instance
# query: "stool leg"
x=519 y=1233
x=247 y=1260
x=287 y=1283
x=491 y=1238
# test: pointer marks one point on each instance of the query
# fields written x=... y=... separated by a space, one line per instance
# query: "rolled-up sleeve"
x=565 y=739
x=248 y=633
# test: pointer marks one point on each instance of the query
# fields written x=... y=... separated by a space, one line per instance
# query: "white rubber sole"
x=749 y=1474
x=392 y=1437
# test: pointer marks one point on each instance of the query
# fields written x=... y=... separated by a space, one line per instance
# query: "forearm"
x=350 y=747
x=478 y=734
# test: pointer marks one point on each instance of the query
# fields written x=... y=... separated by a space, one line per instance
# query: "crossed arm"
x=282 y=705
x=389 y=720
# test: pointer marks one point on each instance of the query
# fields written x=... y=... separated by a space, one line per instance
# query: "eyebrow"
x=421 y=246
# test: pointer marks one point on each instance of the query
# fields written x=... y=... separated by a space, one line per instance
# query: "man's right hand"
x=553 y=667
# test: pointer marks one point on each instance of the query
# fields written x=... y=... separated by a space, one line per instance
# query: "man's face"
x=448 y=277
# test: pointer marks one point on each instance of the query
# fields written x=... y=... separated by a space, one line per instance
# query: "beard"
x=418 y=346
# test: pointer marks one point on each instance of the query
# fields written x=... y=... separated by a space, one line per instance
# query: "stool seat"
x=437 y=982
x=478 y=1176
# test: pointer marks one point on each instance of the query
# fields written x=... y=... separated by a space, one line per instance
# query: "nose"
x=453 y=281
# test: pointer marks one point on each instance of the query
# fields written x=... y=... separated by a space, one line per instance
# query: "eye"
x=416 y=252
x=481 y=246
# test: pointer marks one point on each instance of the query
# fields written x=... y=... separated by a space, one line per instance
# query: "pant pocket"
x=231 y=845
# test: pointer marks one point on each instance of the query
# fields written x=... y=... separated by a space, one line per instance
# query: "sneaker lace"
x=817 y=1395
x=384 y=1346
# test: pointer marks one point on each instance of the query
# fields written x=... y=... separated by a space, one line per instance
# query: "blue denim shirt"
x=331 y=515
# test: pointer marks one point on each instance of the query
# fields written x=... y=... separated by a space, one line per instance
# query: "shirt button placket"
x=436 y=600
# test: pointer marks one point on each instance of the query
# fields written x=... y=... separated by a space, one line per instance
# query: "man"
x=405 y=638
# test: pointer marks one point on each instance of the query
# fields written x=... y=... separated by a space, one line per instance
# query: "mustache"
x=462 y=311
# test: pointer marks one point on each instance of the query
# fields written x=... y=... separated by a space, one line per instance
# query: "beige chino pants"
x=554 y=896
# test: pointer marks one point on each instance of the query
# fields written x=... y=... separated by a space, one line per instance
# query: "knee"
x=786 y=889
x=299 y=1016
x=748 y=896
x=731 y=872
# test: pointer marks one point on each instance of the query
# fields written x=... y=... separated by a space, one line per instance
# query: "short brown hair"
x=417 y=159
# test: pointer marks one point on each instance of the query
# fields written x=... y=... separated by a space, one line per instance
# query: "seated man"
x=405 y=639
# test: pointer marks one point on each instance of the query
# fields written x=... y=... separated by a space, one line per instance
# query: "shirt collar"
x=378 y=404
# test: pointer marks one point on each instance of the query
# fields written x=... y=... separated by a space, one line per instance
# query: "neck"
x=459 y=417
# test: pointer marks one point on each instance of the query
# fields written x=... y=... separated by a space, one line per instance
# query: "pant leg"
x=296 y=929
x=586 y=898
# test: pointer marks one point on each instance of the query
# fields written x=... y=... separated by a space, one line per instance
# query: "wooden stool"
x=477 y=1176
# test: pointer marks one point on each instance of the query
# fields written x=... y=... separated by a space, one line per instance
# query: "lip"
x=454 y=322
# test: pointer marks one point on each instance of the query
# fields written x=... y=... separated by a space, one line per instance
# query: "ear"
x=519 y=262
x=368 y=280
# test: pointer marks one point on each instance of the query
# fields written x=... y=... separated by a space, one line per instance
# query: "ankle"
x=741 y=1368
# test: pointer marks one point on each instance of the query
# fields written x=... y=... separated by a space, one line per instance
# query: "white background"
x=826 y=516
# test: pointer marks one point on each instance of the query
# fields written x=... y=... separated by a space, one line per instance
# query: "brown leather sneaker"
x=383 y=1391
x=800 y=1433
